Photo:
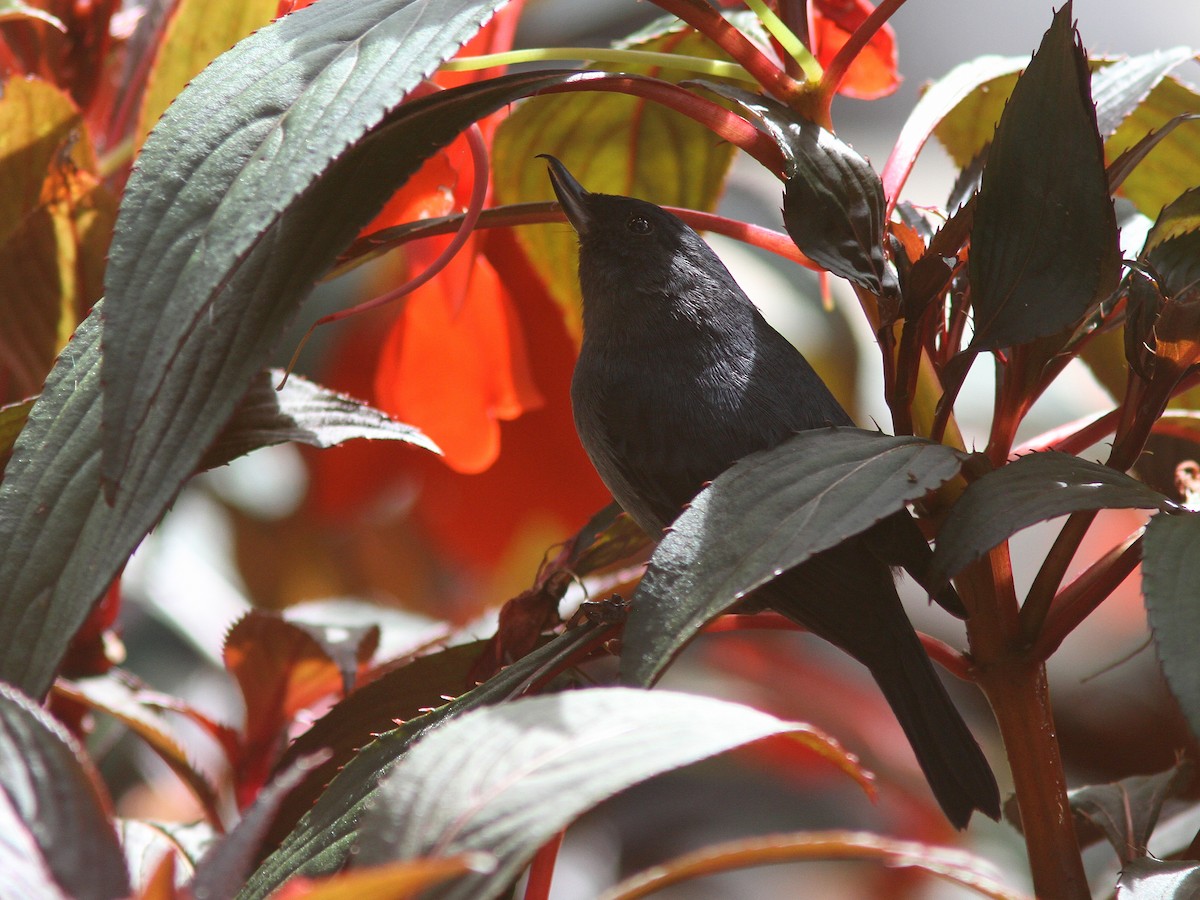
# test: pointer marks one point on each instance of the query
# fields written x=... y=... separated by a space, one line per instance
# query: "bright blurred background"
x=390 y=534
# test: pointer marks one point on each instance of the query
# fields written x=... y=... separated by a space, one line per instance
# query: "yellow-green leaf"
x=614 y=144
x=196 y=34
x=55 y=224
x=1173 y=166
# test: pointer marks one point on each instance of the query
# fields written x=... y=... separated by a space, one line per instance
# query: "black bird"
x=679 y=375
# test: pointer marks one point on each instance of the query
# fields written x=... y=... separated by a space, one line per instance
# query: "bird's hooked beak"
x=572 y=196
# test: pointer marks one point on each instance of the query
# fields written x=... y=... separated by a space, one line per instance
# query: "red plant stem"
x=1016 y=687
x=835 y=72
x=374 y=244
x=762 y=621
x=541 y=869
x=479 y=186
x=600 y=635
x=715 y=118
x=1078 y=599
x=1074 y=437
x=1011 y=405
x=952 y=382
x=709 y=22
x=1050 y=575
x=939 y=651
x=947 y=657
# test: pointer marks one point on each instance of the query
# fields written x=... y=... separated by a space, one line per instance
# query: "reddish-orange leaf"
x=161 y=883
x=280 y=669
x=427 y=194
x=873 y=74
x=542 y=479
x=454 y=364
x=289 y=6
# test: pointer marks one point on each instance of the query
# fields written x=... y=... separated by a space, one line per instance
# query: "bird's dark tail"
x=848 y=598
x=954 y=766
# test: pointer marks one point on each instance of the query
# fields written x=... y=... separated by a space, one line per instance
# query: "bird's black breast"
x=661 y=420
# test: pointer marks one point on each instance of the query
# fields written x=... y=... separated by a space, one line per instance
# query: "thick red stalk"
x=541 y=869
x=709 y=22
x=1016 y=687
x=835 y=72
x=1078 y=599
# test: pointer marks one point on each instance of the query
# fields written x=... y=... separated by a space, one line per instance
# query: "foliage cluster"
x=336 y=132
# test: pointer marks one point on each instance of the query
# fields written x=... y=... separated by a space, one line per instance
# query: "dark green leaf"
x=23 y=871
x=225 y=864
x=504 y=780
x=1173 y=244
x=306 y=413
x=833 y=204
x=1029 y=490
x=1171 y=586
x=56 y=794
x=766 y=514
x=402 y=694
x=252 y=182
x=1120 y=88
x=1127 y=811
x=322 y=841
x=60 y=543
x=59 y=547
x=1044 y=246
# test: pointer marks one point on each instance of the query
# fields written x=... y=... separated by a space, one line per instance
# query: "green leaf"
x=59 y=547
x=1179 y=218
x=1173 y=166
x=950 y=108
x=55 y=222
x=1044 y=245
x=12 y=419
x=402 y=694
x=58 y=796
x=504 y=780
x=61 y=543
x=306 y=413
x=1170 y=575
x=195 y=33
x=322 y=841
x=1119 y=89
x=766 y=514
x=252 y=182
x=614 y=144
x=1126 y=811
x=1026 y=491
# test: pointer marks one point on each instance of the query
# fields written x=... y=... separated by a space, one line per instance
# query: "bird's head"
x=628 y=247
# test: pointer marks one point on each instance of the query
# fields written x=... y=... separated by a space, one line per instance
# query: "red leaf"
x=541 y=477
x=873 y=73
x=281 y=669
x=454 y=364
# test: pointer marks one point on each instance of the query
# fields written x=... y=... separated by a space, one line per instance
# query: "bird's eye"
x=639 y=225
